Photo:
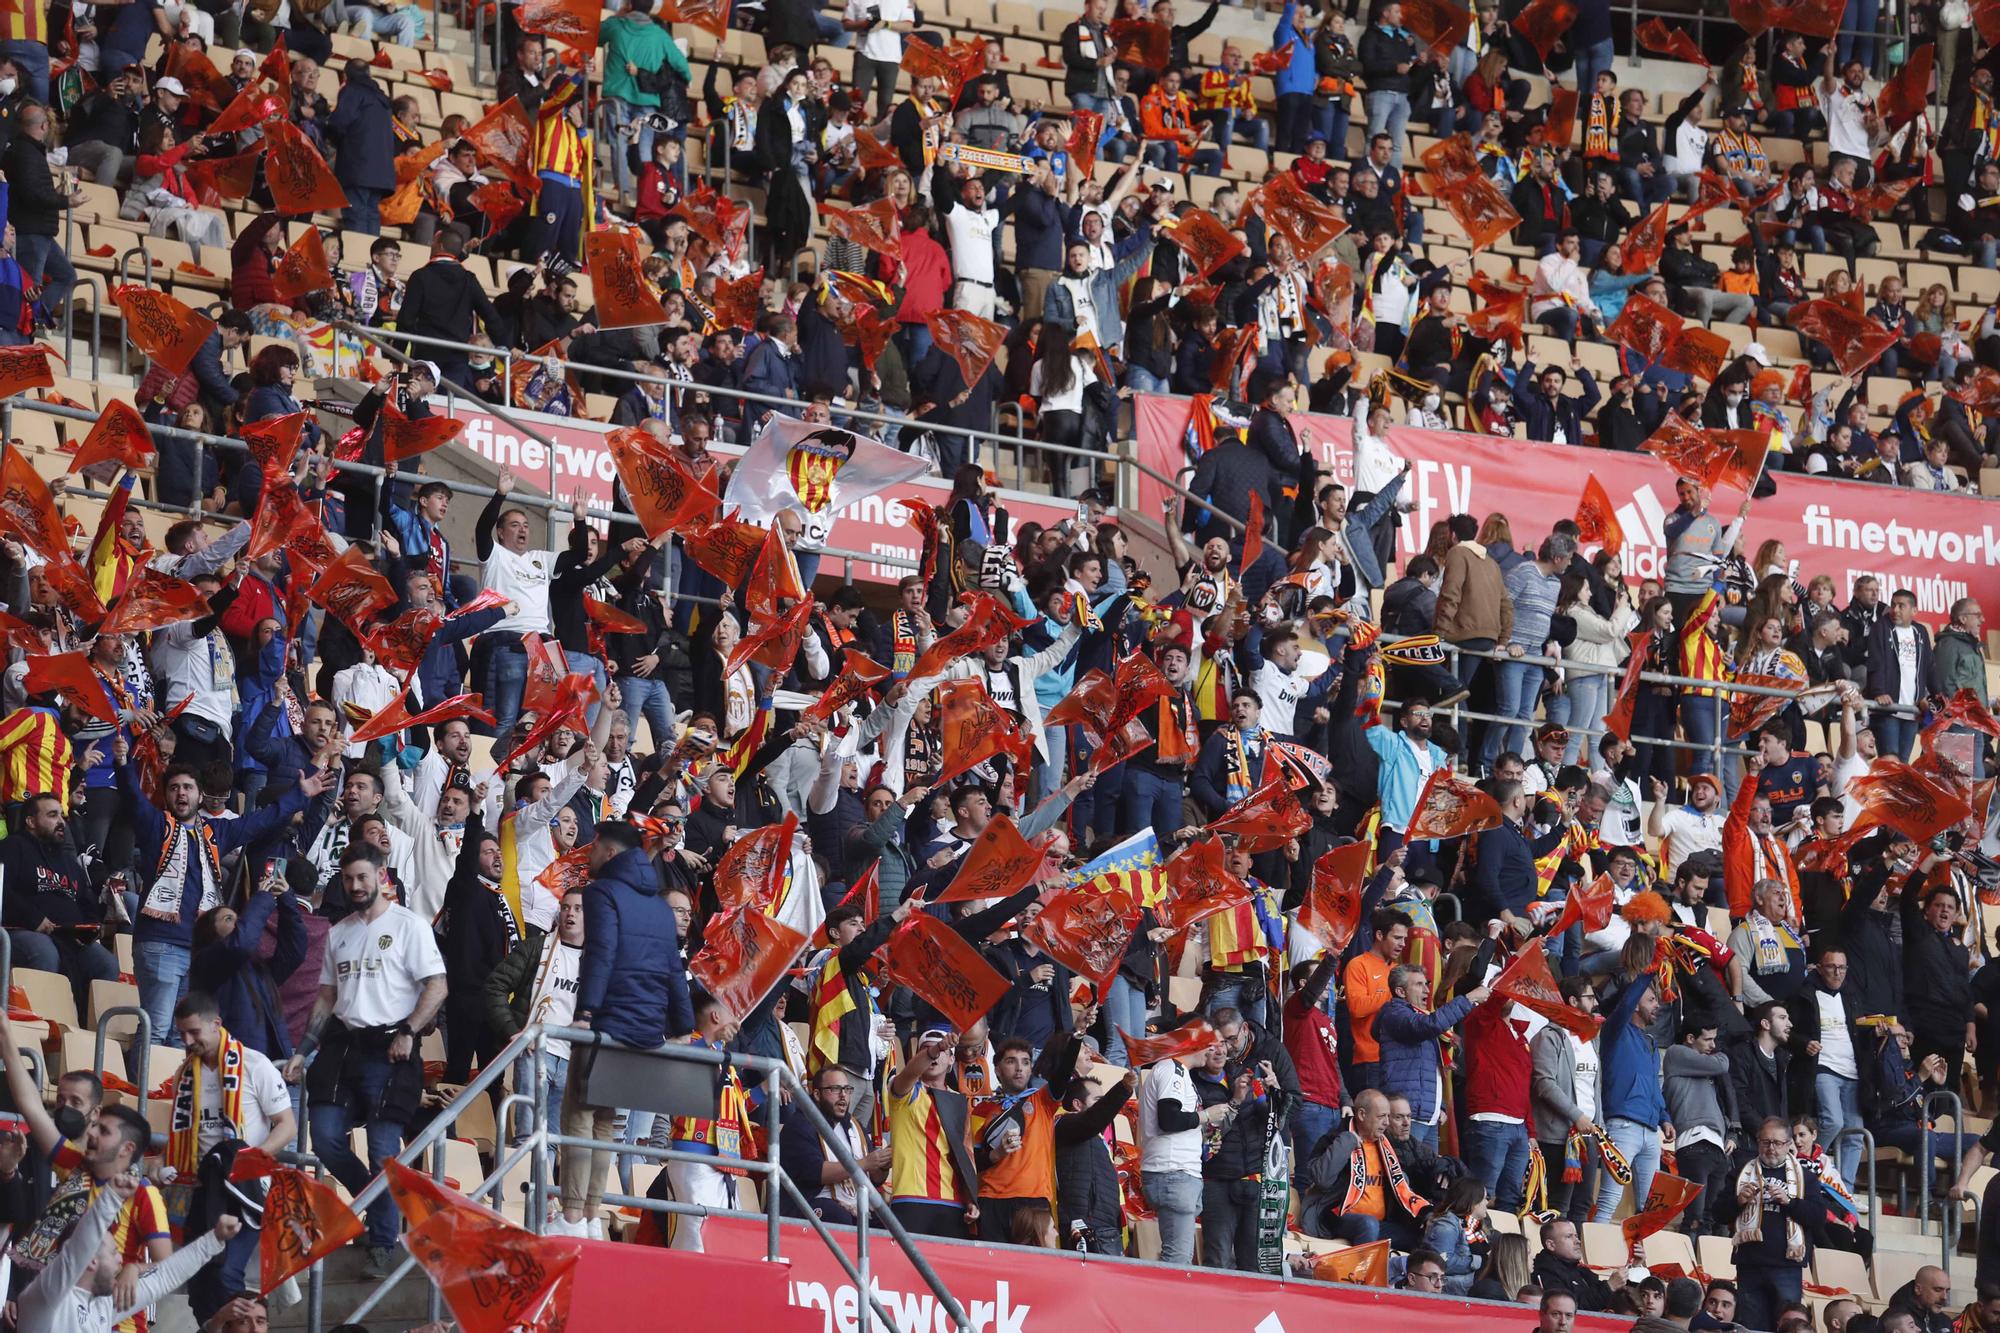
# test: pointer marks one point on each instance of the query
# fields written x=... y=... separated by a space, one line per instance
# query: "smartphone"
x=276 y=866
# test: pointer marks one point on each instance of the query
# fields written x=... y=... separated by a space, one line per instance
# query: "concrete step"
x=346 y=1287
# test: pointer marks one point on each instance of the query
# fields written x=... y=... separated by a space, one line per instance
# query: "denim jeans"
x=1330 y=122
x=161 y=968
x=1586 y=693
x=42 y=259
x=1125 y=1009
x=1518 y=686
x=1498 y=1154
x=506 y=678
x=1425 y=1134
x=1311 y=1122
x=1151 y=799
x=1641 y=1146
x=363 y=212
x=333 y=1123
x=1591 y=61
x=646 y=696
x=1254 y=128
x=1141 y=380
x=1840 y=1108
x=583 y=664
x=222 y=1277
x=1763 y=1289
x=1176 y=1197
x=1862 y=17
x=1092 y=102
x=1701 y=721
x=635 y=1128
x=1049 y=774
x=1895 y=734
x=1389 y=113
x=623 y=116
x=555 y=1073
x=1229 y=990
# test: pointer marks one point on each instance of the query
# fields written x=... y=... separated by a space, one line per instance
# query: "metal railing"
x=777 y=1081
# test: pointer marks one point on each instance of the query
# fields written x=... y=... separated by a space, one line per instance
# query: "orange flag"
x=859 y=674
x=70 y=675
x=774 y=577
x=1198 y=886
x=1543 y=23
x=418 y=1196
x=28 y=509
x=1470 y=196
x=1853 y=339
x=1645 y=327
x=1559 y=126
x=711 y=16
x=1190 y=1038
x=352 y=589
x=727 y=548
x=274 y=441
x=1266 y=819
x=1086 y=930
x=253 y=107
x=162 y=327
x=1253 y=532
x=1963 y=710
x=495 y=1276
x=1143 y=42
x=302 y=268
x=1905 y=95
x=1359 y=1265
x=987 y=623
x=624 y=298
x=1085 y=129
x=573 y=698
x=1619 y=720
x=871 y=154
x=874 y=227
x=300 y=179
x=775 y=644
x=217 y=178
x=1747 y=712
x=665 y=493
x=1440 y=23
x=753 y=870
x=1665 y=1201
x=304 y=1221
x=1895 y=795
x=944 y=968
x=280 y=514
x=1304 y=221
x=1698 y=352
x=866 y=894
x=574 y=23
x=744 y=953
x=119 y=436
x=972 y=729
x=1596 y=520
x=1450 y=806
x=1527 y=981
x=1207 y=242
x=26 y=368
x=1593 y=905
x=152 y=600
x=1654 y=36
x=999 y=864
x=1089 y=704
x=1332 y=909
x=504 y=137
x=967 y=339
x=547 y=666
x=1644 y=245
x=403 y=437
x=604 y=619
x=396 y=716
x=569 y=871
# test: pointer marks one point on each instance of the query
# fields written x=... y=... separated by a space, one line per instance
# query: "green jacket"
x=642 y=42
x=511 y=987
x=1961 y=664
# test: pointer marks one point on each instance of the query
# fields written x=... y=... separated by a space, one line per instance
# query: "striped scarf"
x=184 y=1133
x=1750 y=1222
x=164 y=899
x=1393 y=1175
x=1740 y=152
x=1600 y=134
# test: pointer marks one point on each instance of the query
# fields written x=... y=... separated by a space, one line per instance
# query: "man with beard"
x=1778 y=1204
x=808 y=1160
x=50 y=912
x=1408 y=758
x=360 y=796
x=1156 y=777
x=380 y=988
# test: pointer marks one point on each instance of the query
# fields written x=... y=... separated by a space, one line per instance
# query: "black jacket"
x=1762 y=1090
x=1086 y=1179
x=441 y=301
x=1885 y=673
x=1937 y=978
x=1554 y=1273
x=1380 y=54
x=33 y=205
x=1081 y=73
x=1768 y=1250
x=1804 y=1009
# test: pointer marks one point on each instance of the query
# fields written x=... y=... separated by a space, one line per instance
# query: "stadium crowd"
x=1275 y=986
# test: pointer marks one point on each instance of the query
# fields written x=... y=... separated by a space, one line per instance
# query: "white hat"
x=242 y=52
x=430 y=368
x=1756 y=352
x=170 y=84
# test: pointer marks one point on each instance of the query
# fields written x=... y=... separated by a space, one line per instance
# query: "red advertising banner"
x=1015 y=1290
x=876 y=525
x=1940 y=547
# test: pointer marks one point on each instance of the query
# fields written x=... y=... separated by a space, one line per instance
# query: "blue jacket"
x=769 y=371
x=207 y=370
x=634 y=985
x=150 y=828
x=1126 y=258
x=257 y=677
x=1631 y=1062
x=1038 y=230
x=1409 y=1041
x=270 y=745
x=246 y=993
x=413 y=533
x=1300 y=74
x=1541 y=417
x=438 y=675
x=1360 y=542
x=364 y=142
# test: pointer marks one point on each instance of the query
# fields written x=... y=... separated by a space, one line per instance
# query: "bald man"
x=1356 y=1189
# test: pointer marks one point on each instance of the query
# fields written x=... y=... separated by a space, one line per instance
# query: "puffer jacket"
x=633 y=984
x=1409 y=1041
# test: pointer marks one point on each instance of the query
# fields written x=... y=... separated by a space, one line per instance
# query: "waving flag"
x=815 y=471
x=1135 y=866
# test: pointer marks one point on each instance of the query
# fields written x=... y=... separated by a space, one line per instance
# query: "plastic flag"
x=969 y=340
x=153 y=600
x=1451 y=806
x=744 y=953
x=1198 y=886
x=1207 y=242
x=119 y=436
x=665 y=494
x=303 y=268
x=998 y=864
x=1332 y=907
x=624 y=298
x=944 y=968
x=300 y=179
x=161 y=327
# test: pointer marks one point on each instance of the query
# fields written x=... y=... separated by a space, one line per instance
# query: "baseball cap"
x=170 y=84
x=1757 y=353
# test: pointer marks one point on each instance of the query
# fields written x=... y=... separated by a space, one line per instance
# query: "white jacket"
x=53 y=1303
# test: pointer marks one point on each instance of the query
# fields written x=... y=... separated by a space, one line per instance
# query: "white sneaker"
x=1861 y=1206
x=596 y=1226
x=560 y=1225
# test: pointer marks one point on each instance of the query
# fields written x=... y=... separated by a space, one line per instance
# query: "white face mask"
x=1431 y=402
x=8 y=85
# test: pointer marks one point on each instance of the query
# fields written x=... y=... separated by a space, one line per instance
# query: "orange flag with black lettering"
x=873 y=227
x=574 y=23
x=274 y=442
x=300 y=179
x=302 y=268
x=1207 y=242
x=1359 y=1265
x=774 y=644
x=987 y=622
x=495 y=1276
x=1332 y=909
x=944 y=968
x=304 y=1221
x=418 y=1196
x=70 y=675
x=967 y=339
x=753 y=870
x=1086 y=930
x=26 y=368
x=405 y=437
x=396 y=716
x=1596 y=520
x=999 y=864
x=1666 y=1200
x=28 y=508
x=727 y=548
x=624 y=298
x=161 y=327
x=665 y=493
x=352 y=589
x=1527 y=981
x=744 y=953
x=1591 y=904
x=120 y=436
x=152 y=600
x=972 y=729
x=1198 y=886
x=1266 y=819
x=1089 y=704
x=504 y=137
x=1895 y=795
x=1450 y=806
x=774 y=576
x=859 y=674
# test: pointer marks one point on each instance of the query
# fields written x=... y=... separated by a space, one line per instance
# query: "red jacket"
x=1312 y=1041
x=1498 y=1065
x=255 y=602
x=926 y=276
x=250 y=268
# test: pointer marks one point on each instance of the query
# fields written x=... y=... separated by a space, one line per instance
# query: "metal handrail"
x=1867 y=1156
x=145 y=1043
x=386 y=339
x=1927 y=1162
x=777 y=1077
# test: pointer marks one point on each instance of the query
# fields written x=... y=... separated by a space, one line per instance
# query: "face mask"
x=1431 y=402
x=7 y=86
x=69 y=1121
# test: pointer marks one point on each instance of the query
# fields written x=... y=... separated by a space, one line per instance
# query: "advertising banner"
x=1940 y=547
x=1008 y=1289
x=874 y=525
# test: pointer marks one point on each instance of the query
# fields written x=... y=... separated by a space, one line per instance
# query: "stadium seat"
x=48 y=994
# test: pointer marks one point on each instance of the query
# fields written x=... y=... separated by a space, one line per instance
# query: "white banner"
x=815 y=471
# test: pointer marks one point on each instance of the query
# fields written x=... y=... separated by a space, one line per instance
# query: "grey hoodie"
x=1697 y=1091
